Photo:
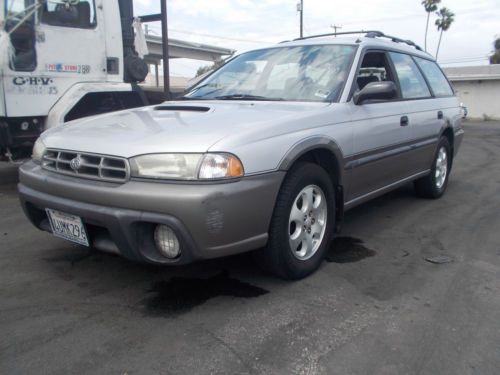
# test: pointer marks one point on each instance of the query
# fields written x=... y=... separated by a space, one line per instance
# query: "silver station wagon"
x=265 y=155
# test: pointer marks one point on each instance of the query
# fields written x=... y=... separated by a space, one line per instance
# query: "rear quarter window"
x=439 y=84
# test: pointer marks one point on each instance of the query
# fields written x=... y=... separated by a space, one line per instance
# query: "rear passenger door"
x=443 y=109
x=425 y=112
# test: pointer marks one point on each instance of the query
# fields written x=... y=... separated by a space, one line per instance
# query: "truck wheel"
x=302 y=222
x=434 y=184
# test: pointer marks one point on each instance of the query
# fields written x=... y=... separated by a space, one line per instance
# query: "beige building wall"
x=482 y=98
x=478 y=88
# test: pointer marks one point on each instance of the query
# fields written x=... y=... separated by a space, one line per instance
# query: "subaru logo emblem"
x=75 y=163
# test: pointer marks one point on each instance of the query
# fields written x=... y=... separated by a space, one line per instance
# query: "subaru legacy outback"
x=265 y=154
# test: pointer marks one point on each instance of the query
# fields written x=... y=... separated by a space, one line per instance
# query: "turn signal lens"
x=215 y=166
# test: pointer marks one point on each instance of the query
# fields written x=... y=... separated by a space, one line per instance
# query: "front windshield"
x=302 y=73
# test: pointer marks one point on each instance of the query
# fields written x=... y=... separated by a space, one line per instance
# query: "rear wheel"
x=434 y=184
x=302 y=223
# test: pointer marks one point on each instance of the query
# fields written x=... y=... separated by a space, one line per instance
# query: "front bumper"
x=210 y=219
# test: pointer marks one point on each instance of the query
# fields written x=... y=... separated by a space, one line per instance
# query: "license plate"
x=67 y=226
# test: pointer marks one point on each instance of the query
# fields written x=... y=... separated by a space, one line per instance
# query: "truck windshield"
x=302 y=73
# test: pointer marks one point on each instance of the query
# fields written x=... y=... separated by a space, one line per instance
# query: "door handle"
x=440 y=115
x=404 y=121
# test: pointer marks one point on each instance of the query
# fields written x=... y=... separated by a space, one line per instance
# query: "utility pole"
x=164 y=34
x=335 y=27
x=300 y=8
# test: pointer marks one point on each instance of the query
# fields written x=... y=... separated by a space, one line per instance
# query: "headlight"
x=186 y=166
x=166 y=166
x=38 y=151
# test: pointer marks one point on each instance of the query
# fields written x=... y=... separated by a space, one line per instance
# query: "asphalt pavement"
x=412 y=286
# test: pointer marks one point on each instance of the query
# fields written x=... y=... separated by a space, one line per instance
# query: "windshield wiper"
x=246 y=97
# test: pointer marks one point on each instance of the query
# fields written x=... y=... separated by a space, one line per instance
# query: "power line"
x=398 y=18
x=215 y=36
x=458 y=59
x=463 y=61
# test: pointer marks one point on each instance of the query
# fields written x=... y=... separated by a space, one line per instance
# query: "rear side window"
x=435 y=77
x=413 y=85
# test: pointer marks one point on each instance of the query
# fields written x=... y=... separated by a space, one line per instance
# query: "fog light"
x=166 y=241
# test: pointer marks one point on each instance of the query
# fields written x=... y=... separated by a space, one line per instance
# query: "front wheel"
x=302 y=222
x=434 y=184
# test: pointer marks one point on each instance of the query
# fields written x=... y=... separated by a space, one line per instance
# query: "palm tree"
x=495 y=58
x=443 y=23
x=430 y=6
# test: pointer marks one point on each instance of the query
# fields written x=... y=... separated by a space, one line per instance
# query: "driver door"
x=381 y=134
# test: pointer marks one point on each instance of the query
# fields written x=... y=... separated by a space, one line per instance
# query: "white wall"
x=482 y=98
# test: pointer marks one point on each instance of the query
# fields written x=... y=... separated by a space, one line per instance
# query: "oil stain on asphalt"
x=348 y=250
x=180 y=294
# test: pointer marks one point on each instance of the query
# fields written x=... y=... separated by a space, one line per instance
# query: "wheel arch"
x=74 y=100
x=323 y=149
x=326 y=153
x=449 y=134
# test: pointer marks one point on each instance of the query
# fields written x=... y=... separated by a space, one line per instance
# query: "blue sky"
x=246 y=24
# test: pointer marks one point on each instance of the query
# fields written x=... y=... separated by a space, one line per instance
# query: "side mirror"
x=385 y=90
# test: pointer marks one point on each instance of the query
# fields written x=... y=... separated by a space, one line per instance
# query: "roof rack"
x=368 y=34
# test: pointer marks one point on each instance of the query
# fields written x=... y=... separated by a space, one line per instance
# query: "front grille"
x=84 y=165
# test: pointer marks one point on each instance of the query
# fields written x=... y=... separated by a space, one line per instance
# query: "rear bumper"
x=210 y=220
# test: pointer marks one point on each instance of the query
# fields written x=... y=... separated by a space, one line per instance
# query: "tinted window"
x=412 y=82
x=81 y=14
x=22 y=35
x=435 y=76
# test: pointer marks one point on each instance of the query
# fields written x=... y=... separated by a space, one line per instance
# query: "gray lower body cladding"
x=210 y=220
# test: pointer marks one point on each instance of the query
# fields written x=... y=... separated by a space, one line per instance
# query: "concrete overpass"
x=183 y=49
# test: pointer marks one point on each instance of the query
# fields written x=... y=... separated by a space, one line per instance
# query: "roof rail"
x=368 y=34
x=379 y=34
x=339 y=33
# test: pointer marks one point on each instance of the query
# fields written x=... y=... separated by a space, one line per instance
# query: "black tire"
x=427 y=186
x=278 y=257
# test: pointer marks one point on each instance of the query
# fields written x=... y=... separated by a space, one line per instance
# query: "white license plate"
x=67 y=226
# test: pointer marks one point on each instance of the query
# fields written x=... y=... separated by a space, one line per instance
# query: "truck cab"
x=63 y=60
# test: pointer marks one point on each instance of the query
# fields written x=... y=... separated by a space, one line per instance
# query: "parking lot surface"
x=412 y=286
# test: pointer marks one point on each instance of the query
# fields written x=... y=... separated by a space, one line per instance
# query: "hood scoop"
x=181 y=108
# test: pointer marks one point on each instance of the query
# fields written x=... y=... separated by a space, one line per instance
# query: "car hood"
x=179 y=126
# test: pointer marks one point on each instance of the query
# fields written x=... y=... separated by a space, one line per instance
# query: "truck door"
x=71 y=40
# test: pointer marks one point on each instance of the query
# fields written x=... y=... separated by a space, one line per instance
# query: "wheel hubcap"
x=441 y=167
x=307 y=222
